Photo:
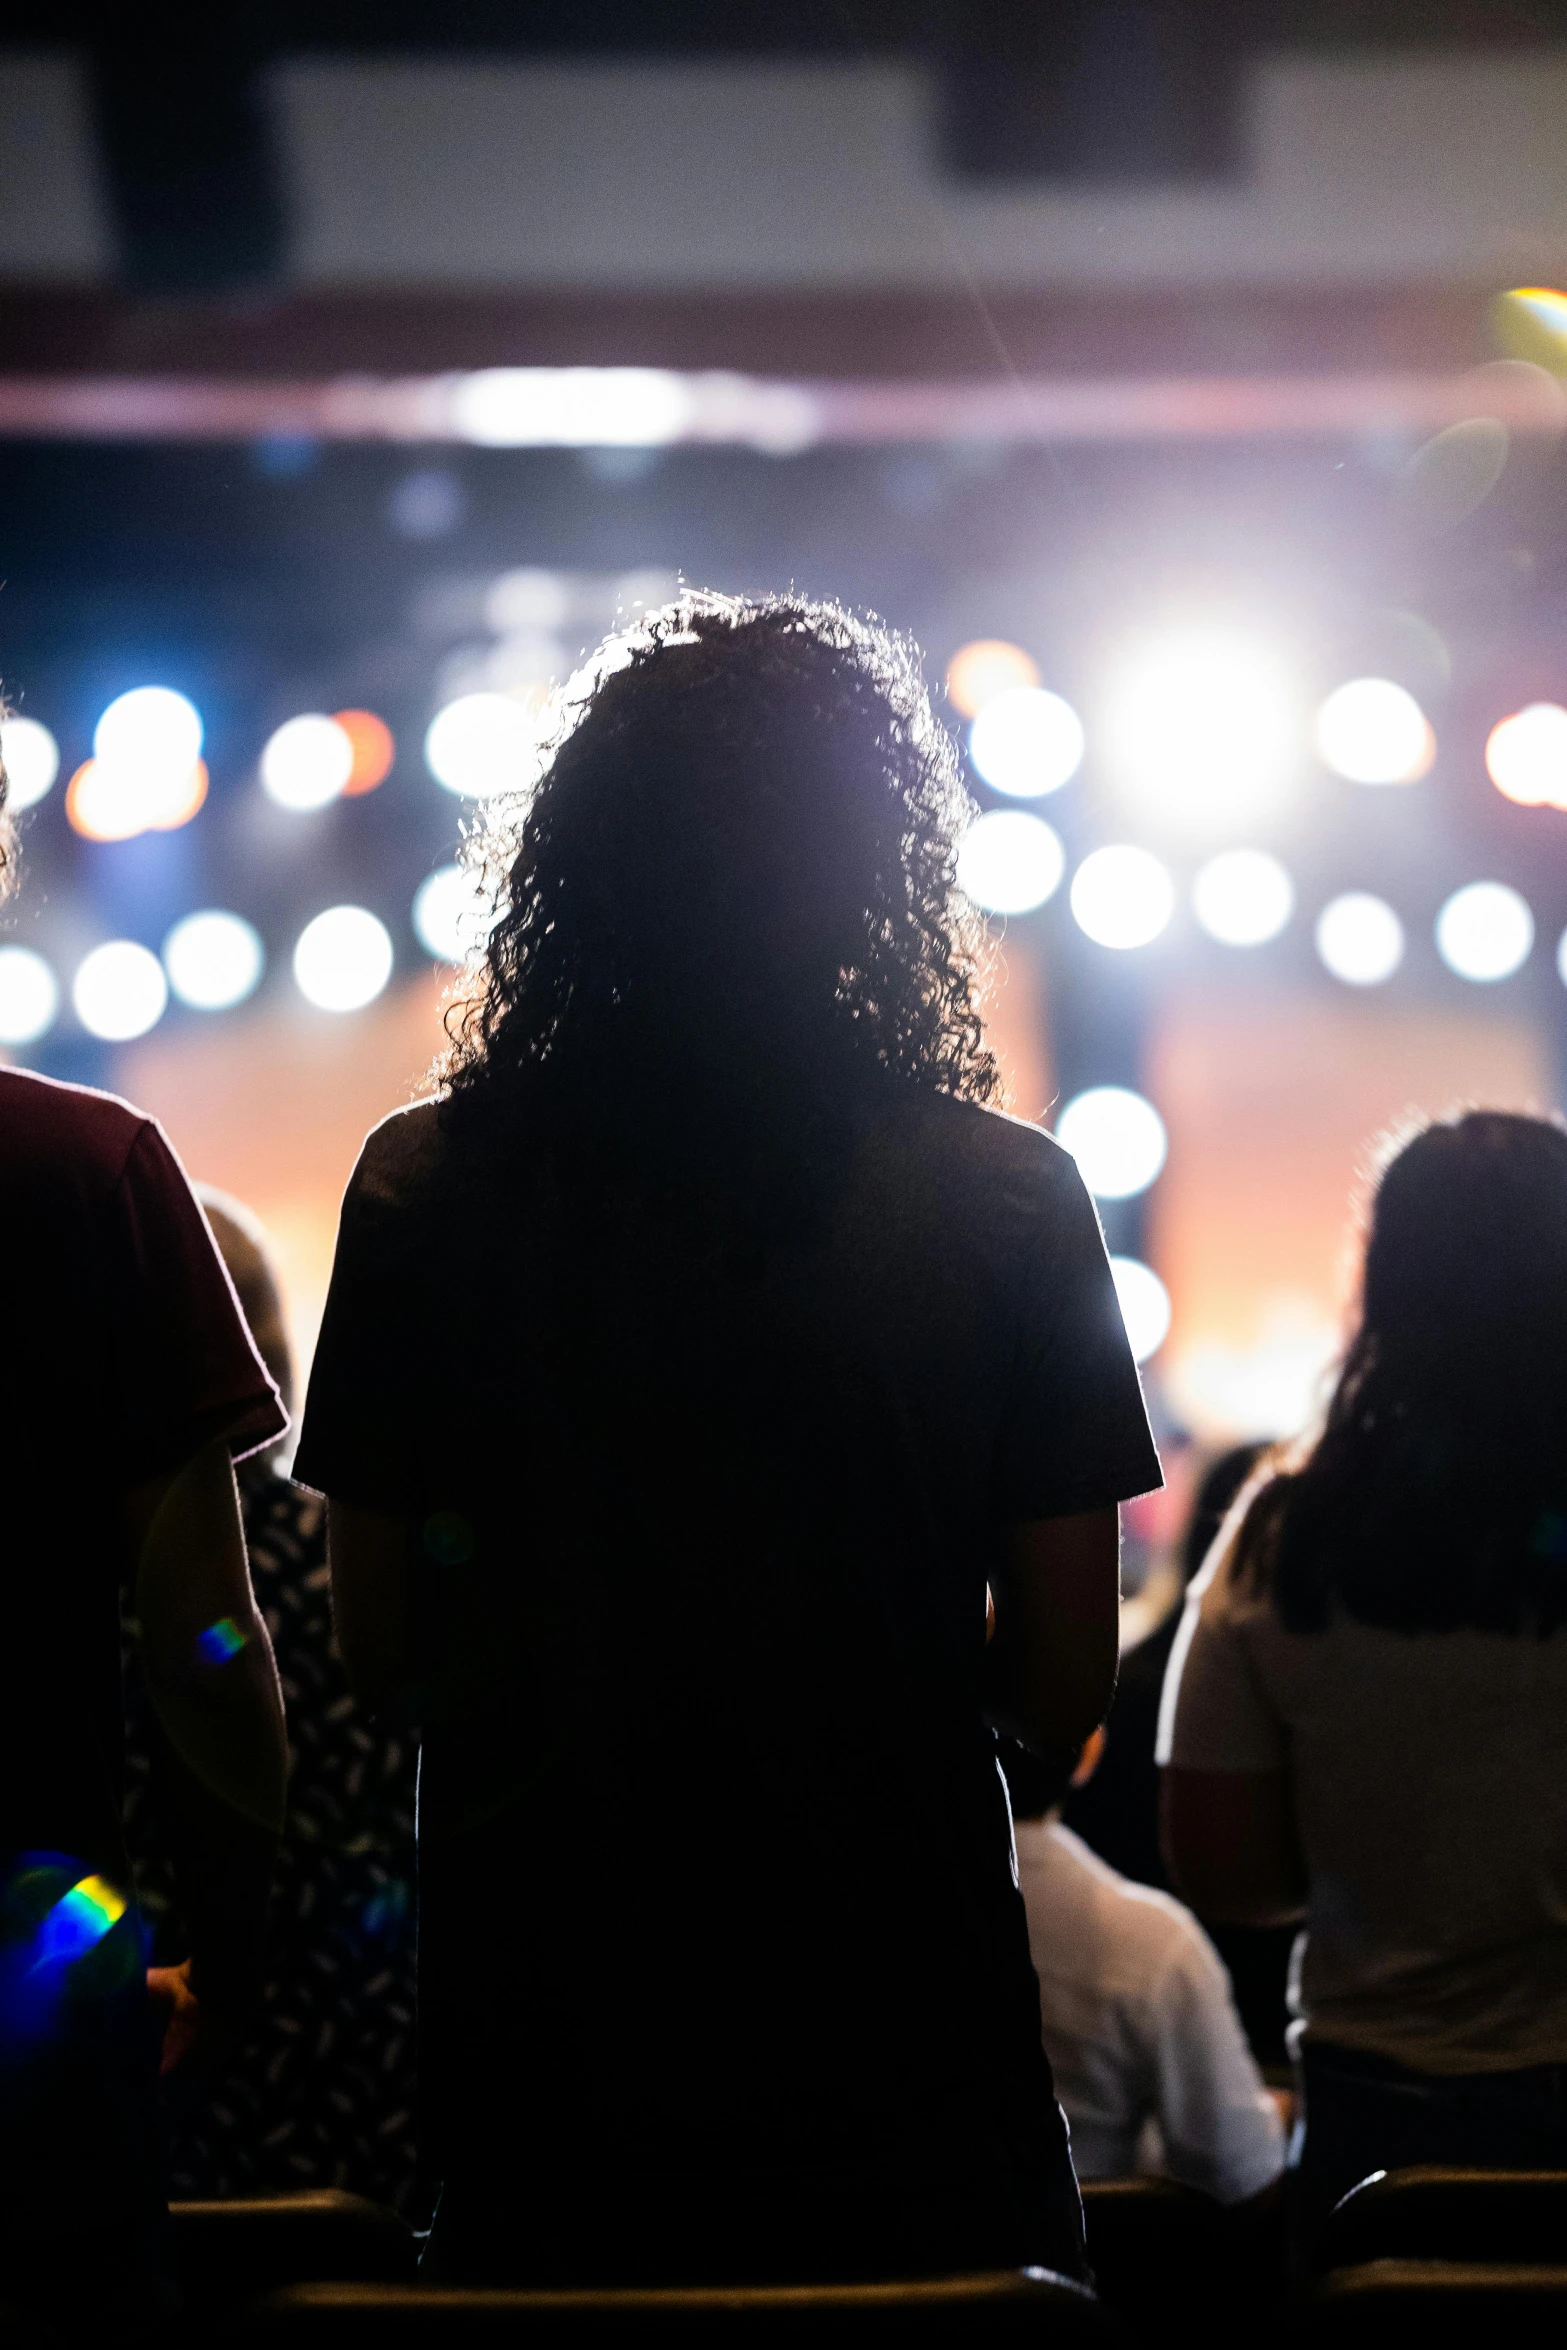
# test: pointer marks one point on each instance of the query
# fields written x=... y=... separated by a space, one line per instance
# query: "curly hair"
x=736 y=865
x=1436 y=1494
x=7 y=830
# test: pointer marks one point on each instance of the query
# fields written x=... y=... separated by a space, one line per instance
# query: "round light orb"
x=1360 y=938
x=343 y=959
x=1010 y=863
x=373 y=746
x=452 y=914
x=482 y=743
x=1026 y=742
x=1204 y=729
x=977 y=673
x=1243 y=897
x=1372 y=731
x=527 y=600
x=119 y=991
x=149 y=731
x=1526 y=756
x=1145 y=1305
x=307 y=762
x=213 y=960
x=29 y=996
x=1485 y=931
x=32 y=760
x=1117 y=1139
x=1122 y=896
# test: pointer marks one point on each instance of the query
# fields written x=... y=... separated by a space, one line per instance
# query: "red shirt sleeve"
x=182 y=1367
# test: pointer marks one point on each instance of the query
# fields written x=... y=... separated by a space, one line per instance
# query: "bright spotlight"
x=1526 y=756
x=1372 y=731
x=1243 y=897
x=307 y=762
x=29 y=995
x=119 y=991
x=1117 y=1139
x=1360 y=939
x=1204 y=729
x=213 y=960
x=482 y=743
x=32 y=760
x=343 y=959
x=977 y=673
x=1485 y=931
x=1122 y=897
x=1026 y=742
x=1010 y=863
x=452 y=914
x=1145 y=1305
x=571 y=407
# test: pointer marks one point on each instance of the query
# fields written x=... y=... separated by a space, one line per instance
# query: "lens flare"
x=1372 y=731
x=1204 y=728
x=1526 y=756
x=977 y=673
x=220 y=1641
x=78 y=1920
x=374 y=749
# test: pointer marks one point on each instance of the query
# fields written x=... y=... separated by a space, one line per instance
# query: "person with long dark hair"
x=690 y=1366
x=1366 y=1712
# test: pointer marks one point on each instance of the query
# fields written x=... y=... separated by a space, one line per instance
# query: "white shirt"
x=1140 y=2026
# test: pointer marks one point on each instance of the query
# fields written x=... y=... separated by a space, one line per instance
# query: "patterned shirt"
x=321 y=2091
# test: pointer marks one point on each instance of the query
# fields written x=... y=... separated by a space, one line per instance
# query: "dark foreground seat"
x=1437 y=2213
x=233 y=2250
x=1152 y=2243
x=1440 y=2305
x=1013 y=2306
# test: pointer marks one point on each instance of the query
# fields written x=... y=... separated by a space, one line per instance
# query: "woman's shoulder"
x=400 y=1157
x=971 y=1142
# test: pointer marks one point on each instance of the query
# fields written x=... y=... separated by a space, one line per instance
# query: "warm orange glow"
x=374 y=749
x=101 y=804
x=978 y=672
x=1526 y=756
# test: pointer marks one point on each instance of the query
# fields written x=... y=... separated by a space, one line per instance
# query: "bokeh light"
x=151 y=731
x=1526 y=756
x=1204 y=728
x=1243 y=897
x=374 y=749
x=307 y=762
x=213 y=959
x=1026 y=742
x=1373 y=731
x=1360 y=939
x=1144 y=1303
x=146 y=772
x=343 y=959
x=32 y=760
x=571 y=407
x=29 y=996
x=1010 y=863
x=1122 y=896
x=977 y=673
x=451 y=914
x=1117 y=1139
x=482 y=743
x=1485 y=931
x=119 y=991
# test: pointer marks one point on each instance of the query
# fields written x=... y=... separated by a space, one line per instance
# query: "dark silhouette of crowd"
x=709 y=1475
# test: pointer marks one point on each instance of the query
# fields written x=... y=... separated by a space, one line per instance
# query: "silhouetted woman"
x=1366 y=1715
x=688 y=1369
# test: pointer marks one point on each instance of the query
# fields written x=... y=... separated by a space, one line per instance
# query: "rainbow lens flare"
x=79 y=1920
x=220 y=1641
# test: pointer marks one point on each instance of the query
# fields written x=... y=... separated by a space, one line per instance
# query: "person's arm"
x=374 y=1605
x=1221 y=2130
x=213 y=1686
x=1051 y=1665
x=1230 y=1844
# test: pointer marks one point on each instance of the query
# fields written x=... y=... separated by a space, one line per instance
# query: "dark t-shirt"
x=715 y=1881
x=125 y=1353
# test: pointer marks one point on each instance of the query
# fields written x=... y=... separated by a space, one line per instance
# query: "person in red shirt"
x=132 y=1387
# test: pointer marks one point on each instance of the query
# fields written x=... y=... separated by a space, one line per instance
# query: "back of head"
x=1436 y=1495
x=246 y=1251
x=732 y=881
